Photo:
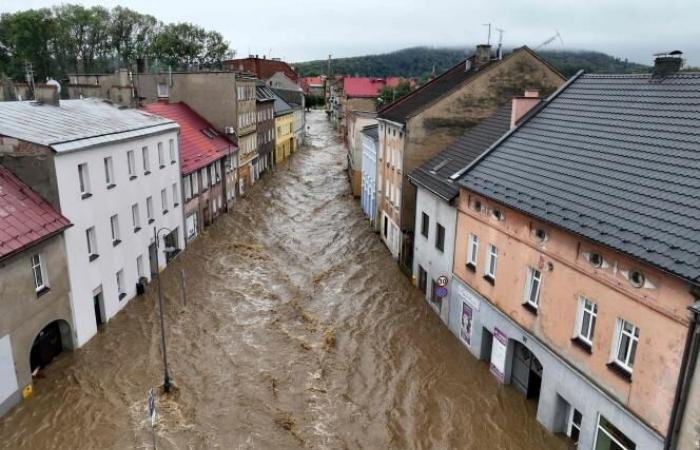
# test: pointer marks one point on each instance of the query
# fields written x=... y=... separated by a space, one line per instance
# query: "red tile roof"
x=307 y=82
x=363 y=87
x=197 y=150
x=25 y=217
x=263 y=68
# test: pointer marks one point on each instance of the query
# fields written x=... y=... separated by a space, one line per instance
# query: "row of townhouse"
x=96 y=198
x=557 y=238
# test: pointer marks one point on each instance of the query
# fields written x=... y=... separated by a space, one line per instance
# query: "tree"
x=390 y=94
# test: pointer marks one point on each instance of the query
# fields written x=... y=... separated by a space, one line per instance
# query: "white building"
x=368 y=198
x=115 y=174
x=436 y=211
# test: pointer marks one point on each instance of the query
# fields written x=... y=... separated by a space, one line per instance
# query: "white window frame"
x=173 y=157
x=131 y=162
x=633 y=343
x=610 y=436
x=532 y=276
x=163 y=90
x=146 y=160
x=473 y=249
x=195 y=183
x=164 y=200
x=91 y=238
x=121 y=290
x=188 y=187
x=136 y=216
x=139 y=266
x=491 y=261
x=571 y=424
x=114 y=226
x=109 y=171
x=84 y=178
x=149 y=208
x=39 y=272
x=586 y=307
x=161 y=155
x=175 y=195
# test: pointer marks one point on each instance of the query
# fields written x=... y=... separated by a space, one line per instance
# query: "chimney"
x=123 y=77
x=522 y=105
x=666 y=64
x=46 y=93
x=482 y=55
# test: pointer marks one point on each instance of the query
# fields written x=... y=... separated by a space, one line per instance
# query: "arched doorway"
x=526 y=375
x=50 y=341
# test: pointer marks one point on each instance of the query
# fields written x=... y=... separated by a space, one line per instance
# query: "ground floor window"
x=573 y=427
x=191 y=226
x=422 y=280
x=609 y=437
x=435 y=299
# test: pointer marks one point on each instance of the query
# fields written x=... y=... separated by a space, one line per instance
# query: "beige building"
x=415 y=127
x=356 y=121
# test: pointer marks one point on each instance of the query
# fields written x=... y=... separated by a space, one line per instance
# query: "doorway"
x=153 y=258
x=47 y=345
x=527 y=372
x=98 y=304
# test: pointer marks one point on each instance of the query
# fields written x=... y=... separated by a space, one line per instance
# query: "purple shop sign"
x=498 y=354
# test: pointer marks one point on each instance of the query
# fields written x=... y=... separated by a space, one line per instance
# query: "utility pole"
x=488 y=40
x=329 y=65
x=166 y=374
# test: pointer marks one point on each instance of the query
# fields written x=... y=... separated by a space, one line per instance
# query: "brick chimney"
x=482 y=55
x=522 y=105
x=46 y=94
x=666 y=64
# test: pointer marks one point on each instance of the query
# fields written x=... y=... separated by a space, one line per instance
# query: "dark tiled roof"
x=263 y=93
x=294 y=98
x=435 y=173
x=25 y=217
x=282 y=107
x=613 y=158
x=371 y=131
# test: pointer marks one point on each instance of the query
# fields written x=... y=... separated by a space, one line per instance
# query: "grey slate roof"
x=281 y=107
x=294 y=98
x=76 y=124
x=371 y=131
x=435 y=173
x=263 y=93
x=612 y=158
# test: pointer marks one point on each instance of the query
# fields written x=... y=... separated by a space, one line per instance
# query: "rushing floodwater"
x=299 y=332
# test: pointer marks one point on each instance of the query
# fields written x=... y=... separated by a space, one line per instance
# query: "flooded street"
x=299 y=332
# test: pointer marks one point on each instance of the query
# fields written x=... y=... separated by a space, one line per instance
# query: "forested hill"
x=419 y=62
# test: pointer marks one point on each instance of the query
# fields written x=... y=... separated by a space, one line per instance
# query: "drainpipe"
x=687 y=372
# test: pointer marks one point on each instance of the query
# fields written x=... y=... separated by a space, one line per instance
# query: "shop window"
x=609 y=437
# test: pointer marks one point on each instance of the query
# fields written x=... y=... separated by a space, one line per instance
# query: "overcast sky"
x=300 y=30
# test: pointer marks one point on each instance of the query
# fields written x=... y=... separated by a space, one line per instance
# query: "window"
x=136 y=217
x=109 y=172
x=609 y=437
x=473 y=250
x=587 y=314
x=497 y=214
x=161 y=155
x=573 y=427
x=188 y=187
x=164 y=200
x=425 y=225
x=175 y=196
x=532 y=293
x=626 y=346
x=440 y=238
x=149 y=209
x=595 y=259
x=195 y=184
x=636 y=278
x=173 y=159
x=91 y=239
x=163 y=90
x=205 y=178
x=114 y=224
x=84 y=179
x=120 y=284
x=491 y=262
x=422 y=280
x=40 y=280
x=131 y=164
x=146 y=161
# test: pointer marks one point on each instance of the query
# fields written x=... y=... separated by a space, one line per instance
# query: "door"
x=527 y=372
x=47 y=345
x=97 y=304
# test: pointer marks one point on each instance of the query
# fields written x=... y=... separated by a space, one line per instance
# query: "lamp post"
x=166 y=374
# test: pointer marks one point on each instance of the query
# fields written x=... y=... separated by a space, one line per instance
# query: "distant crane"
x=550 y=40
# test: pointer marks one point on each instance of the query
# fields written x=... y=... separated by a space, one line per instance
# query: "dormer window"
x=636 y=278
x=540 y=234
x=497 y=214
x=595 y=259
x=476 y=206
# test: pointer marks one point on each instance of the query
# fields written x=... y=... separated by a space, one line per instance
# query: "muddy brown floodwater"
x=299 y=332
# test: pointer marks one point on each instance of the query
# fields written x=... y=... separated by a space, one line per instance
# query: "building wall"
x=284 y=136
x=266 y=133
x=356 y=123
x=33 y=164
x=659 y=311
x=390 y=165
x=25 y=313
x=369 y=179
x=434 y=261
x=210 y=202
x=86 y=275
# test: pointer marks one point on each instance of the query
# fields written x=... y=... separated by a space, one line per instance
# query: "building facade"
x=204 y=153
x=569 y=276
x=368 y=200
x=284 y=130
x=356 y=122
x=414 y=128
x=246 y=96
x=116 y=177
x=37 y=320
x=265 y=128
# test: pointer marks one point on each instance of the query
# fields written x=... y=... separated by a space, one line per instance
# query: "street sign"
x=442 y=281
x=152 y=406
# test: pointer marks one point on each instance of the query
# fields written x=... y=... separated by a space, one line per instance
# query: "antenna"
x=551 y=39
x=488 y=40
x=29 y=75
x=499 y=53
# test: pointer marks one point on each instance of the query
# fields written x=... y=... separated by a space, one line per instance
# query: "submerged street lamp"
x=166 y=374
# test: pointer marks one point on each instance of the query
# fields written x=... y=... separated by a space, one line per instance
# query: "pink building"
x=576 y=256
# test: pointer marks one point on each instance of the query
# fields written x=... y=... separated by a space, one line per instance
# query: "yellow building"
x=284 y=137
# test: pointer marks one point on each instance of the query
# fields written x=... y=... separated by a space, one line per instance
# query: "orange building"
x=576 y=255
